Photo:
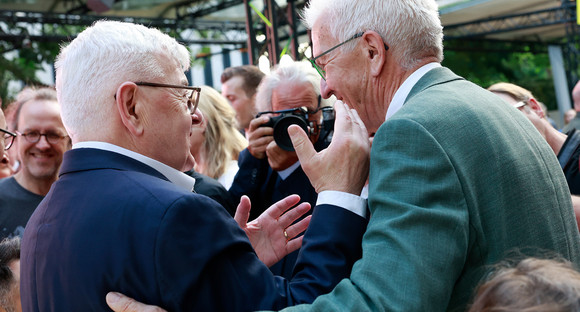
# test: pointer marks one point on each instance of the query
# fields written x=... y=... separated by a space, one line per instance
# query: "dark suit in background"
x=211 y=188
x=113 y=223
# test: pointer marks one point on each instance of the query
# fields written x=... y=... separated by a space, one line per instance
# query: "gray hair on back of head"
x=90 y=69
x=411 y=27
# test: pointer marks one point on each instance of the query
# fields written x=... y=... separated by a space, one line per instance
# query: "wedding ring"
x=286 y=235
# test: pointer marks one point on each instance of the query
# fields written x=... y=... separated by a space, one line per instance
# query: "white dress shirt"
x=357 y=204
x=174 y=176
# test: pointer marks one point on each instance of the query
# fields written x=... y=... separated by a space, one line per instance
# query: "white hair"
x=282 y=75
x=90 y=69
x=411 y=27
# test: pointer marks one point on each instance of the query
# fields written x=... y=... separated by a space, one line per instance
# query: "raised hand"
x=272 y=234
x=344 y=164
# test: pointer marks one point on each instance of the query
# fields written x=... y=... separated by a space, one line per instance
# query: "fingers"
x=278 y=209
x=295 y=229
x=292 y=215
x=243 y=211
x=302 y=144
x=257 y=122
x=294 y=244
x=121 y=303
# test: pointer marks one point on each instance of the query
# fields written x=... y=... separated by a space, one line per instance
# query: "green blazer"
x=459 y=181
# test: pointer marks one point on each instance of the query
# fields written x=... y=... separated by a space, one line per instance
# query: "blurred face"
x=166 y=120
x=242 y=104
x=197 y=138
x=287 y=97
x=40 y=160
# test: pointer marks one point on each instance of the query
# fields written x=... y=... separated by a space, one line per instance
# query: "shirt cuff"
x=353 y=203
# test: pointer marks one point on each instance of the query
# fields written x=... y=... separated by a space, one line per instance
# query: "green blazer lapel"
x=432 y=78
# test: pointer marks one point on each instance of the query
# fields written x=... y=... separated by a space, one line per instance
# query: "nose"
x=325 y=91
x=43 y=143
x=196 y=117
x=5 y=160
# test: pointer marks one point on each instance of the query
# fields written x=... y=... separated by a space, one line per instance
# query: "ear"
x=535 y=106
x=126 y=100
x=375 y=51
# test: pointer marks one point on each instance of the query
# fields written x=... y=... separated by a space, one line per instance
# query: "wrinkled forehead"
x=322 y=40
x=294 y=96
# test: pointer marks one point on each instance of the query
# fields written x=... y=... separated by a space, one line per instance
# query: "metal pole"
x=252 y=44
x=293 y=23
x=272 y=33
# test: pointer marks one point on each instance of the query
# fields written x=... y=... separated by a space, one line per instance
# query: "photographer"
x=267 y=171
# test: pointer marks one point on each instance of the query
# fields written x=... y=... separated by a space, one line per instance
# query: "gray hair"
x=295 y=72
x=90 y=69
x=413 y=27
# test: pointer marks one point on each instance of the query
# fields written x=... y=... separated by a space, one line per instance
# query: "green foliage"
x=526 y=69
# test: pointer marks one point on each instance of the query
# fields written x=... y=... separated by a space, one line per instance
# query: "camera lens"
x=281 y=130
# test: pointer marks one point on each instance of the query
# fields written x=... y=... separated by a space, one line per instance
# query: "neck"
x=36 y=186
x=393 y=77
x=200 y=163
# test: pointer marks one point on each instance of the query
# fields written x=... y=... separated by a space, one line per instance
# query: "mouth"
x=41 y=156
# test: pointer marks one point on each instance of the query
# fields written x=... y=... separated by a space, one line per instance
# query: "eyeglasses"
x=8 y=138
x=313 y=60
x=34 y=136
x=520 y=104
x=192 y=98
x=321 y=71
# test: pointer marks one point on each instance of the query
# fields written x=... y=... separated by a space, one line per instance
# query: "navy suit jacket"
x=111 y=223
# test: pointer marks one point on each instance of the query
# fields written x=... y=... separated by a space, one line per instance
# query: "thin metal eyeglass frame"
x=11 y=135
x=313 y=60
x=190 y=106
x=40 y=135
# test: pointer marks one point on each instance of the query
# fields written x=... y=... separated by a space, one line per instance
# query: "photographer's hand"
x=279 y=159
x=259 y=137
x=344 y=164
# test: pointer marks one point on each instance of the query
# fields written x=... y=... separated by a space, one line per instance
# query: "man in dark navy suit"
x=122 y=216
x=267 y=171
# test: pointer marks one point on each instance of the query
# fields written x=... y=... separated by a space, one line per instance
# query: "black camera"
x=296 y=116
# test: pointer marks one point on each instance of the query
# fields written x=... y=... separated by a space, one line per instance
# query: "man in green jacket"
x=458 y=180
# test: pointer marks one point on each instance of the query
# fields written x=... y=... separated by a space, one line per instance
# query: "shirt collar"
x=288 y=171
x=404 y=90
x=174 y=176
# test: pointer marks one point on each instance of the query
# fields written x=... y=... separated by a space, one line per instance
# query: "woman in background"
x=216 y=141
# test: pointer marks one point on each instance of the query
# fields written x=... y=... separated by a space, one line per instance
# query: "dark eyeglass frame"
x=191 y=103
x=300 y=110
x=8 y=138
x=53 y=139
x=321 y=71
